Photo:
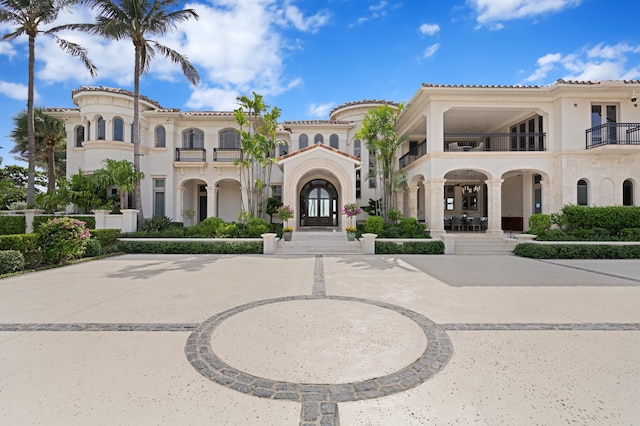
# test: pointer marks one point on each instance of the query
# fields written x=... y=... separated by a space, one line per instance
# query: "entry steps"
x=319 y=242
x=483 y=245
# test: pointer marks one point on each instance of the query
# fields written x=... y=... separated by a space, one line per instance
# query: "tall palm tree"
x=121 y=174
x=50 y=143
x=137 y=20
x=28 y=16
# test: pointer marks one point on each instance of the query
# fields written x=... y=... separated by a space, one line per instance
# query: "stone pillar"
x=434 y=199
x=546 y=196
x=212 y=201
x=494 y=196
x=369 y=243
x=269 y=243
x=100 y=216
x=449 y=243
x=129 y=220
x=527 y=198
x=179 y=204
x=400 y=201
x=413 y=201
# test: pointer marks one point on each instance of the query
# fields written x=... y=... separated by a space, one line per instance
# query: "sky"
x=309 y=56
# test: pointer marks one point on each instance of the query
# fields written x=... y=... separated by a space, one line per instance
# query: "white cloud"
x=306 y=24
x=216 y=99
x=429 y=29
x=14 y=90
x=602 y=62
x=430 y=51
x=320 y=110
x=376 y=10
x=491 y=12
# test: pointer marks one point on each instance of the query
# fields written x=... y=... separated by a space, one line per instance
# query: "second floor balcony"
x=613 y=134
x=199 y=155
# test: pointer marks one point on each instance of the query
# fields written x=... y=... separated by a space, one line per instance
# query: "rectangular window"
x=276 y=192
x=469 y=202
x=372 y=170
x=449 y=198
x=358 y=184
x=158 y=197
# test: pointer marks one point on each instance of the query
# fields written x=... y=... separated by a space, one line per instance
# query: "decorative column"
x=413 y=201
x=212 y=200
x=434 y=211
x=494 y=196
x=400 y=200
x=527 y=198
x=179 y=204
x=547 y=186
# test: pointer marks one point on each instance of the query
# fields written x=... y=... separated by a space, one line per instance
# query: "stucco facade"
x=494 y=153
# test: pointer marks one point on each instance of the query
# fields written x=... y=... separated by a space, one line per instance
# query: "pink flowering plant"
x=62 y=239
x=350 y=210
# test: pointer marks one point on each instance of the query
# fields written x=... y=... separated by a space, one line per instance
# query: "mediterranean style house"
x=491 y=155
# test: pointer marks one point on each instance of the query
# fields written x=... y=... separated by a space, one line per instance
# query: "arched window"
x=334 y=141
x=160 y=137
x=118 y=129
x=101 y=129
x=229 y=139
x=627 y=193
x=283 y=149
x=357 y=148
x=303 y=141
x=318 y=138
x=583 y=193
x=79 y=136
x=193 y=138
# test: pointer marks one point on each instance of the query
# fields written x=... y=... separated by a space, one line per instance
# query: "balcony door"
x=319 y=204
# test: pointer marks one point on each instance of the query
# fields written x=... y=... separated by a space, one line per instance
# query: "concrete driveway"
x=322 y=340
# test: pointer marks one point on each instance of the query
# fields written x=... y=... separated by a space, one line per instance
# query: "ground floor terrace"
x=350 y=340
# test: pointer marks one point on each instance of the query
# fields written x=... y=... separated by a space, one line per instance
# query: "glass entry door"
x=319 y=204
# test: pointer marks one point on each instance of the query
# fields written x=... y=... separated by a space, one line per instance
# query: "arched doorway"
x=318 y=204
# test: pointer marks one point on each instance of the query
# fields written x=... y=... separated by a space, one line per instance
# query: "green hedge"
x=614 y=218
x=577 y=251
x=27 y=244
x=11 y=225
x=89 y=220
x=11 y=261
x=414 y=247
x=191 y=247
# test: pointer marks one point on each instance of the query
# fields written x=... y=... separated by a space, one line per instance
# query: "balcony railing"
x=413 y=154
x=191 y=154
x=227 y=154
x=464 y=142
x=613 y=134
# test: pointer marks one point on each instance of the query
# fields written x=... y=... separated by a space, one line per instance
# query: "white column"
x=527 y=198
x=413 y=201
x=400 y=200
x=212 y=201
x=435 y=128
x=494 y=189
x=178 y=206
x=434 y=199
x=546 y=186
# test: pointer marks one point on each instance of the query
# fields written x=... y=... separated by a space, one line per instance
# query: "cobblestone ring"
x=436 y=355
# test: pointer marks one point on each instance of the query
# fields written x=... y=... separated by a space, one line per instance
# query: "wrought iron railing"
x=414 y=153
x=465 y=142
x=613 y=134
x=191 y=154
x=227 y=154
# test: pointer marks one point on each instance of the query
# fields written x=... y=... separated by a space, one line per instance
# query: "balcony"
x=494 y=142
x=613 y=134
x=414 y=153
x=191 y=155
x=226 y=155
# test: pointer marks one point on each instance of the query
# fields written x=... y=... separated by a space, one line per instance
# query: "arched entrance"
x=318 y=204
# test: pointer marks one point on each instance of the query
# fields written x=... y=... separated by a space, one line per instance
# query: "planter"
x=351 y=236
x=287 y=236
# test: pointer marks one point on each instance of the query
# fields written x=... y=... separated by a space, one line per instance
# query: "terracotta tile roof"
x=62 y=109
x=316 y=122
x=112 y=90
x=478 y=86
x=319 y=146
x=209 y=113
x=363 y=102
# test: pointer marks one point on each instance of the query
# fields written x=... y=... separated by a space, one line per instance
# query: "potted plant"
x=350 y=210
x=284 y=214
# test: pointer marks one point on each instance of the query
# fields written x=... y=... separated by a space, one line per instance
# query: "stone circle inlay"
x=436 y=355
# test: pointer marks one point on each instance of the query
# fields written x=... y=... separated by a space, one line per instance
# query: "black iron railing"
x=227 y=154
x=474 y=142
x=191 y=154
x=613 y=134
x=414 y=153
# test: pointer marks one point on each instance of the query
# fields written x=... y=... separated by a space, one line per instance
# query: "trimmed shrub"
x=11 y=261
x=62 y=239
x=614 y=218
x=374 y=225
x=414 y=247
x=93 y=248
x=207 y=228
x=227 y=230
x=191 y=247
x=577 y=251
x=27 y=244
x=539 y=224
x=255 y=227
x=411 y=228
x=630 y=234
x=11 y=225
x=106 y=236
x=89 y=220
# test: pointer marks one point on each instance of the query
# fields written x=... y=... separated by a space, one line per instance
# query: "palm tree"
x=136 y=20
x=121 y=174
x=50 y=143
x=28 y=16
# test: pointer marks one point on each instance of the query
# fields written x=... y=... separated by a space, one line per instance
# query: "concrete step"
x=484 y=246
x=319 y=243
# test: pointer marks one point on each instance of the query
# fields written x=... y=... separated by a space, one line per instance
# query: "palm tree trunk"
x=31 y=134
x=51 y=166
x=136 y=130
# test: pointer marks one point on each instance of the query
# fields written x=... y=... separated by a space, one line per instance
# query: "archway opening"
x=318 y=204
